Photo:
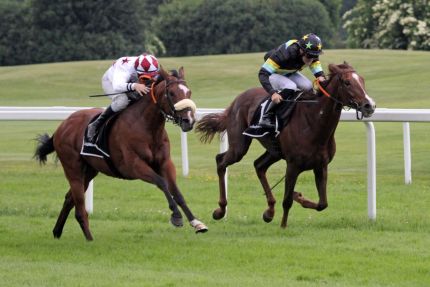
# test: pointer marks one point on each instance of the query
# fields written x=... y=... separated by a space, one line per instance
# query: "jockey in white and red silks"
x=120 y=78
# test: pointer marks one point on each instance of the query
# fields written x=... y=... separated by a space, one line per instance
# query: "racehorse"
x=306 y=143
x=139 y=146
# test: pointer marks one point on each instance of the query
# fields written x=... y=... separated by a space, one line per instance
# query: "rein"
x=152 y=93
x=325 y=93
x=172 y=116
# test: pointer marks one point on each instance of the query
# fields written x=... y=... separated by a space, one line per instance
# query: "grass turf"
x=136 y=246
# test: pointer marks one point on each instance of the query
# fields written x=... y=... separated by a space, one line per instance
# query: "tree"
x=15 y=35
x=77 y=30
x=198 y=27
x=394 y=24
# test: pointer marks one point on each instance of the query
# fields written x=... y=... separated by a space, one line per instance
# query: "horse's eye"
x=347 y=83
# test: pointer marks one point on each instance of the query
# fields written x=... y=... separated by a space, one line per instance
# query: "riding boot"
x=288 y=94
x=265 y=121
x=94 y=126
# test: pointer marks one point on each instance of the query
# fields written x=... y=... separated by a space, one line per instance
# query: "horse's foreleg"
x=290 y=182
x=67 y=206
x=146 y=173
x=321 y=183
x=261 y=165
x=306 y=203
x=169 y=173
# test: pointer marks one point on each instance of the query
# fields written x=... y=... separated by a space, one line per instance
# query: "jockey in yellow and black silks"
x=280 y=73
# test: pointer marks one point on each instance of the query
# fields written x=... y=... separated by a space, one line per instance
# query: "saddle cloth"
x=100 y=148
x=281 y=118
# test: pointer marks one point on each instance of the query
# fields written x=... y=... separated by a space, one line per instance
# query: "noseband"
x=172 y=114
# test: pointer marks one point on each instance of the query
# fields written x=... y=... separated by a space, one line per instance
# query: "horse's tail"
x=211 y=124
x=45 y=145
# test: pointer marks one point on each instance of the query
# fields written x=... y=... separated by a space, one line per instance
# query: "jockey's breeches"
x=294 y=81
x=120 y=101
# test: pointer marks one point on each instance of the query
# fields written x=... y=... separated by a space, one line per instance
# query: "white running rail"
x=381 y=115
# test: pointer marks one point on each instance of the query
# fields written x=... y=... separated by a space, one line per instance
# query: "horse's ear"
x=345 y=63
x=181 y=73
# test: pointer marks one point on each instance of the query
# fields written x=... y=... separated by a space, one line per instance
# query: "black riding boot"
x=266 y=119
x=288 y=94
x=94 y=126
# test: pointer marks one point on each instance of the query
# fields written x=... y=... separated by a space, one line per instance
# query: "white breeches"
x=120 y=101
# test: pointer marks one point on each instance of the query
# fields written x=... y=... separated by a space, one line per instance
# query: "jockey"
x=120 y=78
x=280 y=73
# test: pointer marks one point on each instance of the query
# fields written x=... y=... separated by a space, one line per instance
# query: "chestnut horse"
x=306 y=143
x=139 y=148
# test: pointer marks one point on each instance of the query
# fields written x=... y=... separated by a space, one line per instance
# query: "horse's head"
x=350 y=90
x=173 y=97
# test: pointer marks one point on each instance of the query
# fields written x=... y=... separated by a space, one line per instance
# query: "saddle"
x=100 y=148
x=281 y=117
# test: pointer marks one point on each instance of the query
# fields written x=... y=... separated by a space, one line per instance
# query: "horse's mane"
x=334 y=70
x=174 y=73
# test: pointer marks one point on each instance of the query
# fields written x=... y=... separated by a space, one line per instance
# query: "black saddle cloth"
x=282 y=116
x=101 y=147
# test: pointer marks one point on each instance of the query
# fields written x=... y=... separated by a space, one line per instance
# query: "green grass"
x=136 y=246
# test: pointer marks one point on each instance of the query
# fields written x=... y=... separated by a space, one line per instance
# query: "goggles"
x=311 y=56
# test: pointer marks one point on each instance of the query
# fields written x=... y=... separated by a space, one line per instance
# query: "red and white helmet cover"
x=147 y=64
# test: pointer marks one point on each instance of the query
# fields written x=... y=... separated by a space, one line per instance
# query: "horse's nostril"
x=368 y=107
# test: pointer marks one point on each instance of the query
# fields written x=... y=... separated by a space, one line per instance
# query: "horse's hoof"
x=321 y=207
x=202 y=230
x=218 y=214
x=177 y=221
x=266 y=217
x=56 y=234
x=284 y=222
x=199 y=226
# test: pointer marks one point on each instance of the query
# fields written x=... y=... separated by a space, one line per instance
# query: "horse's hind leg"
x=261 y=165
x=67 y=206
x=81 y=215
x=236 y=150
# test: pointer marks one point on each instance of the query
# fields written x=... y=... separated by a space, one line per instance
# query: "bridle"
x=172 y=114
x=343 y=86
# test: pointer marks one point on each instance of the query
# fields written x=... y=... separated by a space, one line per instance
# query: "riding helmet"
x=311 y=44
x=147 y=64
